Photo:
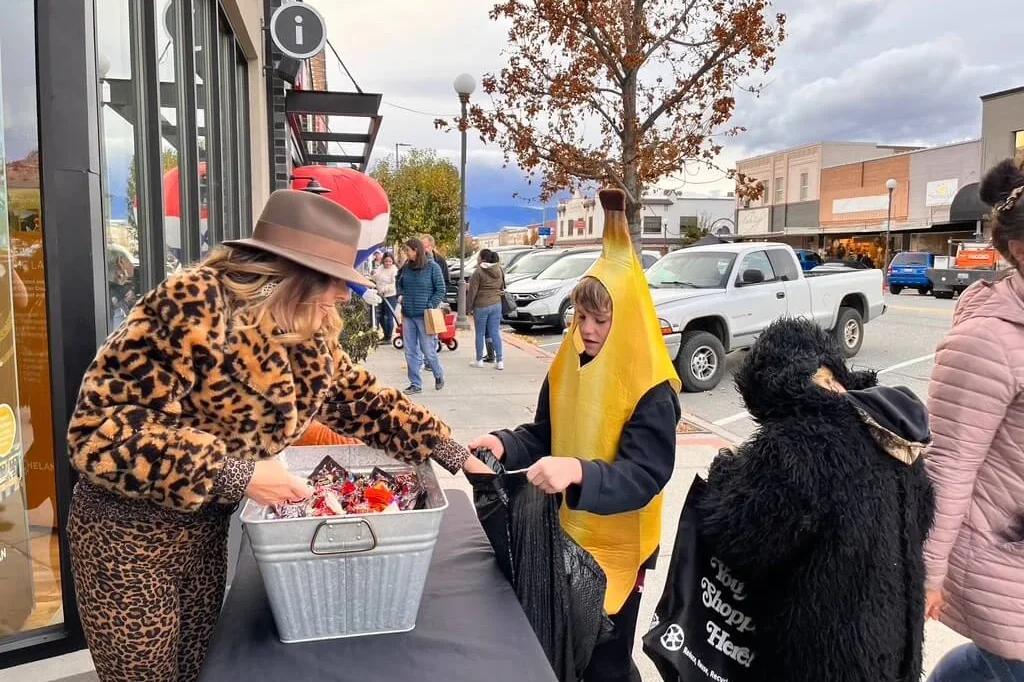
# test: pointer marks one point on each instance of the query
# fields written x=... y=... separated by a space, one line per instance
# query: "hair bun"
x=999 y=182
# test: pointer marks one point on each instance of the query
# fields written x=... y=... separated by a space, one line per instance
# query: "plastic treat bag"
x=559 y=585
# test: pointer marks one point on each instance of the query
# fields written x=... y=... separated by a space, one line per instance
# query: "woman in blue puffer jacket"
x=421 y=288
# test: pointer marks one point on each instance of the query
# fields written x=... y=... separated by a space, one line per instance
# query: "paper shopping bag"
x=434 y=320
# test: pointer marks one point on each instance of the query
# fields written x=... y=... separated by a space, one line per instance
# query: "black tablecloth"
x=470 y=626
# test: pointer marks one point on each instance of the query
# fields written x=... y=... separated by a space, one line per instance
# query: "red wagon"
x=446 y=338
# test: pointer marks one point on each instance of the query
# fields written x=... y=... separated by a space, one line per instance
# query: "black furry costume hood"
x=824 y=512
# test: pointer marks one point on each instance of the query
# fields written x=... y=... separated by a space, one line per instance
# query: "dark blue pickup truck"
x=909 y=270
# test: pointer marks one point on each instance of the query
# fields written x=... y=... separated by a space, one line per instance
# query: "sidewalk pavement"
x=476 y=401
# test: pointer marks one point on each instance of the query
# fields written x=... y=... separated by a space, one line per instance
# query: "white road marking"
x=908 y=363
x=740 y=416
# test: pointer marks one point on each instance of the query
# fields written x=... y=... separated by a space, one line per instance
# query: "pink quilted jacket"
x=976 y=549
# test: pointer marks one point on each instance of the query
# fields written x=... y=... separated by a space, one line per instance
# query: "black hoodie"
x=825 y=511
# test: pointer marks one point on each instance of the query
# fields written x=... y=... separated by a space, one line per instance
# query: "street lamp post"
x=464 y=87
x=890 y=185
x=397 y=145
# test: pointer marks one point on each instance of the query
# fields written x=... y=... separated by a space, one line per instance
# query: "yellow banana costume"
x=590 y=405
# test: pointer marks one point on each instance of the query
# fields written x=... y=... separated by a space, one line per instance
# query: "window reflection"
x=171 y=137
x=120 y=179
x=30 y=579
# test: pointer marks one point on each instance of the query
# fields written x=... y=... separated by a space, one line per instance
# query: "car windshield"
x=691 y=270
x=910 y=259
x=569 y=267
x=533 y=263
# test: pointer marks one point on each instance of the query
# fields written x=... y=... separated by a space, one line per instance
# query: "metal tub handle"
x=343 y=536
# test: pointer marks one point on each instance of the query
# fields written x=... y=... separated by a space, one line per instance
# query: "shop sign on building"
x=879 y=202
x=753 y=221
x=941 y=192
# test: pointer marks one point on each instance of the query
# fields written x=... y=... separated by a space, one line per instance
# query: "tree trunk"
x=633 y=210
x=631 y=142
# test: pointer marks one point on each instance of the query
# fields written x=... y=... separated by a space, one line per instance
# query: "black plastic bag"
x=559 y=584
x=701 y=630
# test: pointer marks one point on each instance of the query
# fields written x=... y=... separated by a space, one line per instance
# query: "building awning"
x=312 y=145
x=967 y=206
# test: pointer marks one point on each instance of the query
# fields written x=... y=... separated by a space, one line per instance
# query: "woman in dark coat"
x=824 y=511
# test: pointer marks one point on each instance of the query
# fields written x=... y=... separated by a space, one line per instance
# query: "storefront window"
x=206 y=134
x=203 y=111
x=30 y=576
x=118 y=117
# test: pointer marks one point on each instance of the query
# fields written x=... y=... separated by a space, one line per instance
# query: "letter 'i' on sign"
x=298 y=31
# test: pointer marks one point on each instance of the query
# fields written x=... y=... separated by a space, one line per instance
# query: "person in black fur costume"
x=824 y=512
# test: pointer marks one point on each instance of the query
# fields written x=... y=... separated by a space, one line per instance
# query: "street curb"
x=529 y=348
x=711 y=428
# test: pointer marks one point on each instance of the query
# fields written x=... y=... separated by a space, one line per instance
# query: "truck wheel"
x=849 y=332
x=924 y=291
x=895 y=289
x=701 y=361
x=946 y=295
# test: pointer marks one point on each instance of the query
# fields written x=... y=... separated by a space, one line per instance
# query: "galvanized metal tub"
x=347 y=576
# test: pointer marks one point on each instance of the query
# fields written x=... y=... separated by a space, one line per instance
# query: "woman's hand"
x=488 y=442
x=555 y=474
x=934 y=602
x=272 y=483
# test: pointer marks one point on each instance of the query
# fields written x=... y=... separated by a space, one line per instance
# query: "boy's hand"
x=555 y=474
x=488 y=442
x=475 y=466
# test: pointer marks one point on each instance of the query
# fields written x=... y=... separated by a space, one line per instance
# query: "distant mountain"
x=487 y=219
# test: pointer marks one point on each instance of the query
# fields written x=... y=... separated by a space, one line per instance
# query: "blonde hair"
x=294 y=292
x=591 y=296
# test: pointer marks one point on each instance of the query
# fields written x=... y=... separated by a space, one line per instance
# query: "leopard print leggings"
x=150 y=583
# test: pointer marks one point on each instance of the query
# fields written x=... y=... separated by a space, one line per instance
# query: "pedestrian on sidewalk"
x=975 y=554
x=604 y=434
x=485 y=289
x=823 y=514
x=386 y=279
x=421 y=288
x=430 y=247
x=247 y=337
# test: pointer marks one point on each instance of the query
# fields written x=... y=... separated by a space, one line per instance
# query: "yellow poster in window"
x=8 y=429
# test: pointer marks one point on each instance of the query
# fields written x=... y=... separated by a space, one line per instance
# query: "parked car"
x=909 y=270
x=808 y=259
x=544 y=298
x=974 y=261
x=713 y=300
x=535 y=262
x=507 y=255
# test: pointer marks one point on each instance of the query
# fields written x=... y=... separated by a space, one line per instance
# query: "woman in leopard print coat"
x=181 y=414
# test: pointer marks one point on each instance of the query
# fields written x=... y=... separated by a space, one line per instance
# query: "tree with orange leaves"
x=623 y=92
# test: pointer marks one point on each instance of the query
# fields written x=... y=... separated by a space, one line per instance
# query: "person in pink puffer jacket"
x=975 y=553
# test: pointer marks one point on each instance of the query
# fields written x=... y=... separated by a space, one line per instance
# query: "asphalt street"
x=900 y=345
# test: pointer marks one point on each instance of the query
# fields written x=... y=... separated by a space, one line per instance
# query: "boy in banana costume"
x=604 y=432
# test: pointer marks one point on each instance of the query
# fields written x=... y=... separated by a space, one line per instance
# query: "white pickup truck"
x=713 y=300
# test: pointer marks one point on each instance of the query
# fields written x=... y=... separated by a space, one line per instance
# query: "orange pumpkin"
x=319 y=434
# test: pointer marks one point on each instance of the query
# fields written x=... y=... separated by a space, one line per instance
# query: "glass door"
x=31 y=598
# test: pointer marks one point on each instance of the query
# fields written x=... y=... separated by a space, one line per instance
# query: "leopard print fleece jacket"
x=186 y=396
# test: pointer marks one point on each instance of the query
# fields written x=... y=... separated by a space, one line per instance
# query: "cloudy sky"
x=895 y=71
